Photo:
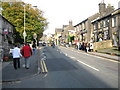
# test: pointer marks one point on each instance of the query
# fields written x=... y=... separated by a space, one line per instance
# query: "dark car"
x=43 y=44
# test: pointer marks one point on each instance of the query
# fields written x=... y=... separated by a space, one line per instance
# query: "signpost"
x=24 y=35
x=5 y=31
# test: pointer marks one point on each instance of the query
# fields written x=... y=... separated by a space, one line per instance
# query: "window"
x=83 y=25
x=95 y=26
x=98 y=25
x=105 y=35
x=77 y=28
x=80 y=27
x=101 y=24
x=114 y=23
x=106 y=23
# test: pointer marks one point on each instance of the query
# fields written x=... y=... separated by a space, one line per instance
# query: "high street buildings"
x=86 y=28
x=104 y=25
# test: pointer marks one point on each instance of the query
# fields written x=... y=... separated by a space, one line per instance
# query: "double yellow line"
x=43 y=66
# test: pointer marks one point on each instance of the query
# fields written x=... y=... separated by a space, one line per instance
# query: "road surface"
x=70 y=68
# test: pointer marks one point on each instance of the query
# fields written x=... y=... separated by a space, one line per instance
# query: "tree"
x=34 y=21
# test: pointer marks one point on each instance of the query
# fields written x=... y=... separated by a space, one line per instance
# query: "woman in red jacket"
x=27 y=52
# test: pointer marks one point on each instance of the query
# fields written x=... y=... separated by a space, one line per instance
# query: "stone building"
x=81 y=31
x=85 y=29
x=107 y=27
x=58 y=35
x=68 y=33
x=7 y=30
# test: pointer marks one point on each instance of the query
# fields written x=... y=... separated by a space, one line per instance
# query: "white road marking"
x=72 y=57
x=88 y=65
x=85 y=64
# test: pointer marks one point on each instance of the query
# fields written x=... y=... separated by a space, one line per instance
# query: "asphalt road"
x=69 y=68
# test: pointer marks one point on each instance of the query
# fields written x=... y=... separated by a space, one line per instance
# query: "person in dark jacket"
x=27 y=52
x=34 y=48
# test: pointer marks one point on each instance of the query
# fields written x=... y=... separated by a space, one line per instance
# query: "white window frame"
x=114 y=21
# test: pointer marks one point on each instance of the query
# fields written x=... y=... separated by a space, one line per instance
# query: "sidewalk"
x=108 y=56
x=105 y=55
x=110 y=53
x=9 y=74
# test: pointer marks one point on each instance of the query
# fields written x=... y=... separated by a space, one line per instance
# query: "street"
x=70 y=68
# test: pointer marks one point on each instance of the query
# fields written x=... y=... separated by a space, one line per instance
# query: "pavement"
x=110 y=53
x=105 y=53
x=9 y=74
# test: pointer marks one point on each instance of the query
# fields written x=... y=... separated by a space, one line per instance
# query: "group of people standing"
x=85 y=46
x=26 y=51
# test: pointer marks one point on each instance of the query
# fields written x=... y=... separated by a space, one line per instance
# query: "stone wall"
x=102 y=45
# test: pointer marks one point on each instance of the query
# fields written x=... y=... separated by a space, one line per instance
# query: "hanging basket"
x=114 y=33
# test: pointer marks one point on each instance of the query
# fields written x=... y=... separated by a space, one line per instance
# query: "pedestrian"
x=87 y=47
x=16 y=56
x=100 y=39
x=67 y=45
x=53 y=44
x=34 y=48
x=27 y=53
x=91 y=47
x=78 y=45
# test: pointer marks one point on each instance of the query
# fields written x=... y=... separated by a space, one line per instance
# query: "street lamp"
x=35 y=35
x=24 y=33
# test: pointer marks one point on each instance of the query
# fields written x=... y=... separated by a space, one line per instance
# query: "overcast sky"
x=59 y=12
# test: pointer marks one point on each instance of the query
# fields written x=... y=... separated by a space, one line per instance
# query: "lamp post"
x=24 y=32
x=35 y=35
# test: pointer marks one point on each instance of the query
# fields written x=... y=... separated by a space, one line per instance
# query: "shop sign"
x=5 y=31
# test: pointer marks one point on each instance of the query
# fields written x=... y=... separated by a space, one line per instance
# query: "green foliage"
x=34 y=21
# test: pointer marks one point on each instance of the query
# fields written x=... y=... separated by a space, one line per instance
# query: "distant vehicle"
x=53 y=44
x=43 y=44
x=62 y=44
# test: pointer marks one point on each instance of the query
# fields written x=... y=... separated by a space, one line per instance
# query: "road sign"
x=24 y=34
x=5 y=31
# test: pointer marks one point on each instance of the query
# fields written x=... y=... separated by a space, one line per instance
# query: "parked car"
x=43 y=44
